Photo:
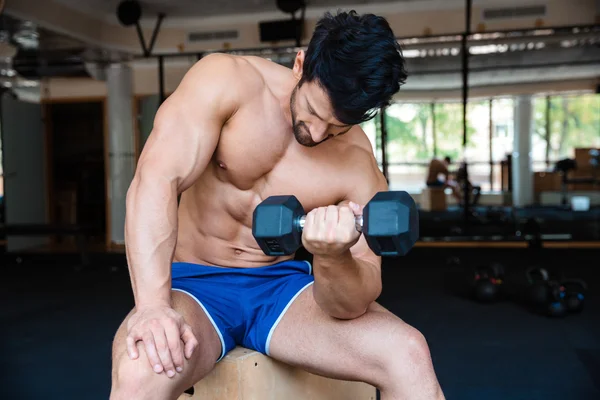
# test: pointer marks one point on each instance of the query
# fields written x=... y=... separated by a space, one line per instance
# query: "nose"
x=318 y=131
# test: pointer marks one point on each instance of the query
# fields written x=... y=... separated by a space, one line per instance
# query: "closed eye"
x=313 y=112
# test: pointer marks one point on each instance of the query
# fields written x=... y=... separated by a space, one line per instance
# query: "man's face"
x=312 y=115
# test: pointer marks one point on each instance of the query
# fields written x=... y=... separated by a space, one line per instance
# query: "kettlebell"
x=538 y=290
x=574 y=294
x=556 y=306
x=545 y=295
x=486 y=283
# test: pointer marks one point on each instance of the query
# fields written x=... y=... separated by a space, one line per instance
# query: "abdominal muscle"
x=215 y=226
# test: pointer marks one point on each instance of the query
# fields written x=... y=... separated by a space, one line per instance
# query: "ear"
x=298 y=65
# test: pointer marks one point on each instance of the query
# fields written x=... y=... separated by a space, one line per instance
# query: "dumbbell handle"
x=358 y=221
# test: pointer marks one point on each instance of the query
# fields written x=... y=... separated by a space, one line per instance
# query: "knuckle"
x=172 y=324
x=147 y=337
x=154 y=323
x=165 y=355
x=174 y=343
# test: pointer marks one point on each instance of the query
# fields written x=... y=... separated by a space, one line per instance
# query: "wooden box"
x=248 y=375
x=433 y=199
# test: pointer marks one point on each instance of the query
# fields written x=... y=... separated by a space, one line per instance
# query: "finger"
x=309 y=221
x=348 y=231
x=320 y=225
x=175 y=345
x=132 y=348
x=347 y=218
x=357 y=209
x=189 y=340
x=163 y=351
x=151 y=352
x=331 y=222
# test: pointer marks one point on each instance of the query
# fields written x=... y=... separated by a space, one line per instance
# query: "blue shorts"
x=243 y=304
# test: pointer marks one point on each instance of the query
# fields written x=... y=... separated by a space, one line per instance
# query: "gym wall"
x=24 y=163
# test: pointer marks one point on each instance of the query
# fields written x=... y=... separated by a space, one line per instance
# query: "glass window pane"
x=479 y=175
x=478 y=132
x=502 y=136
x=409 y=133
x=575 y=122
x=409 y=144
x=449 y=129
x=407 y=177
x=503 y=128
x=478 y=143
x=371 y=129
x=539 y=139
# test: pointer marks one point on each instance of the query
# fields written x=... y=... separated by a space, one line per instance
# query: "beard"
x=300 y=129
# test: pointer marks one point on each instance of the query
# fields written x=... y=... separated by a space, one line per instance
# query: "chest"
x=258 y=155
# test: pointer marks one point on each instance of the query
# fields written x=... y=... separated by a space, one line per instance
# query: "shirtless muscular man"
x=237 y=130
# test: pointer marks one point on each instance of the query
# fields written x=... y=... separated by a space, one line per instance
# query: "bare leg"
x=377 y=348
x=135 y=379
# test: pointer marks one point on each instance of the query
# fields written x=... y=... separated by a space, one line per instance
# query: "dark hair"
x=448 y=159
x=357 y=61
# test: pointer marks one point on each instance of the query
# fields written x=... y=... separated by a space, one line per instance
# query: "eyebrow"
x=313 y=112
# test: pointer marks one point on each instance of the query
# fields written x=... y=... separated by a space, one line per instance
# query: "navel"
x=238 y=252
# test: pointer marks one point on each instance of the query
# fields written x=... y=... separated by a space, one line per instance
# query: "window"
x=410 y=144
x=478 y=143
x=502 y=137
x=574 y=122
x=539 y=148
x=417 y=132
x=371 y=129
x=449 y=129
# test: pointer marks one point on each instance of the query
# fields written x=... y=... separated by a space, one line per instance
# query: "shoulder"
x=232 y=76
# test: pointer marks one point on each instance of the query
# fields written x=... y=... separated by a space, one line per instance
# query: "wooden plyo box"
x=248 y=375
x=433 y=199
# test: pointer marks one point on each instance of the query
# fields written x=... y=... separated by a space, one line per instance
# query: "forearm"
x=344 y=285
x=150 y=238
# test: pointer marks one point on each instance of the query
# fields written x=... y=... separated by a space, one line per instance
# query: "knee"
x=132 y=379
x=407 y=348
x=416 y=347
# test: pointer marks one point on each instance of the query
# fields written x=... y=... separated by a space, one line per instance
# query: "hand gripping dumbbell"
x=390 y=224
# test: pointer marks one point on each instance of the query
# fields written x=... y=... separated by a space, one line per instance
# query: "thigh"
x=201 y=363
x=358 y=349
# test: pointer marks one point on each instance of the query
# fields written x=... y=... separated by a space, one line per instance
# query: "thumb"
x=357 y=209
x=189 y=340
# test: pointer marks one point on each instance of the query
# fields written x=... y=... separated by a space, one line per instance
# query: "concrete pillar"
x=521 y=158
x=121 y=147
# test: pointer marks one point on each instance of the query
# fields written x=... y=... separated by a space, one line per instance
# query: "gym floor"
x=58 y=325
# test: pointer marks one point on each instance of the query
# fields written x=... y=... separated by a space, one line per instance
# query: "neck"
x=282 y=90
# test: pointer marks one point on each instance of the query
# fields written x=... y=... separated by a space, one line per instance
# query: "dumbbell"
x=390 y=224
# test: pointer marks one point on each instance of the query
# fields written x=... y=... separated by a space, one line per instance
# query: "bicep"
x=188 y=124
x=365 y=184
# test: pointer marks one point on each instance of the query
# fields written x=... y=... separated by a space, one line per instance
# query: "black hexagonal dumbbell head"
x=275 y=225
x=391 y=223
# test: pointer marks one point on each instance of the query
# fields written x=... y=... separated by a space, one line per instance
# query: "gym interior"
x=502 y=280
